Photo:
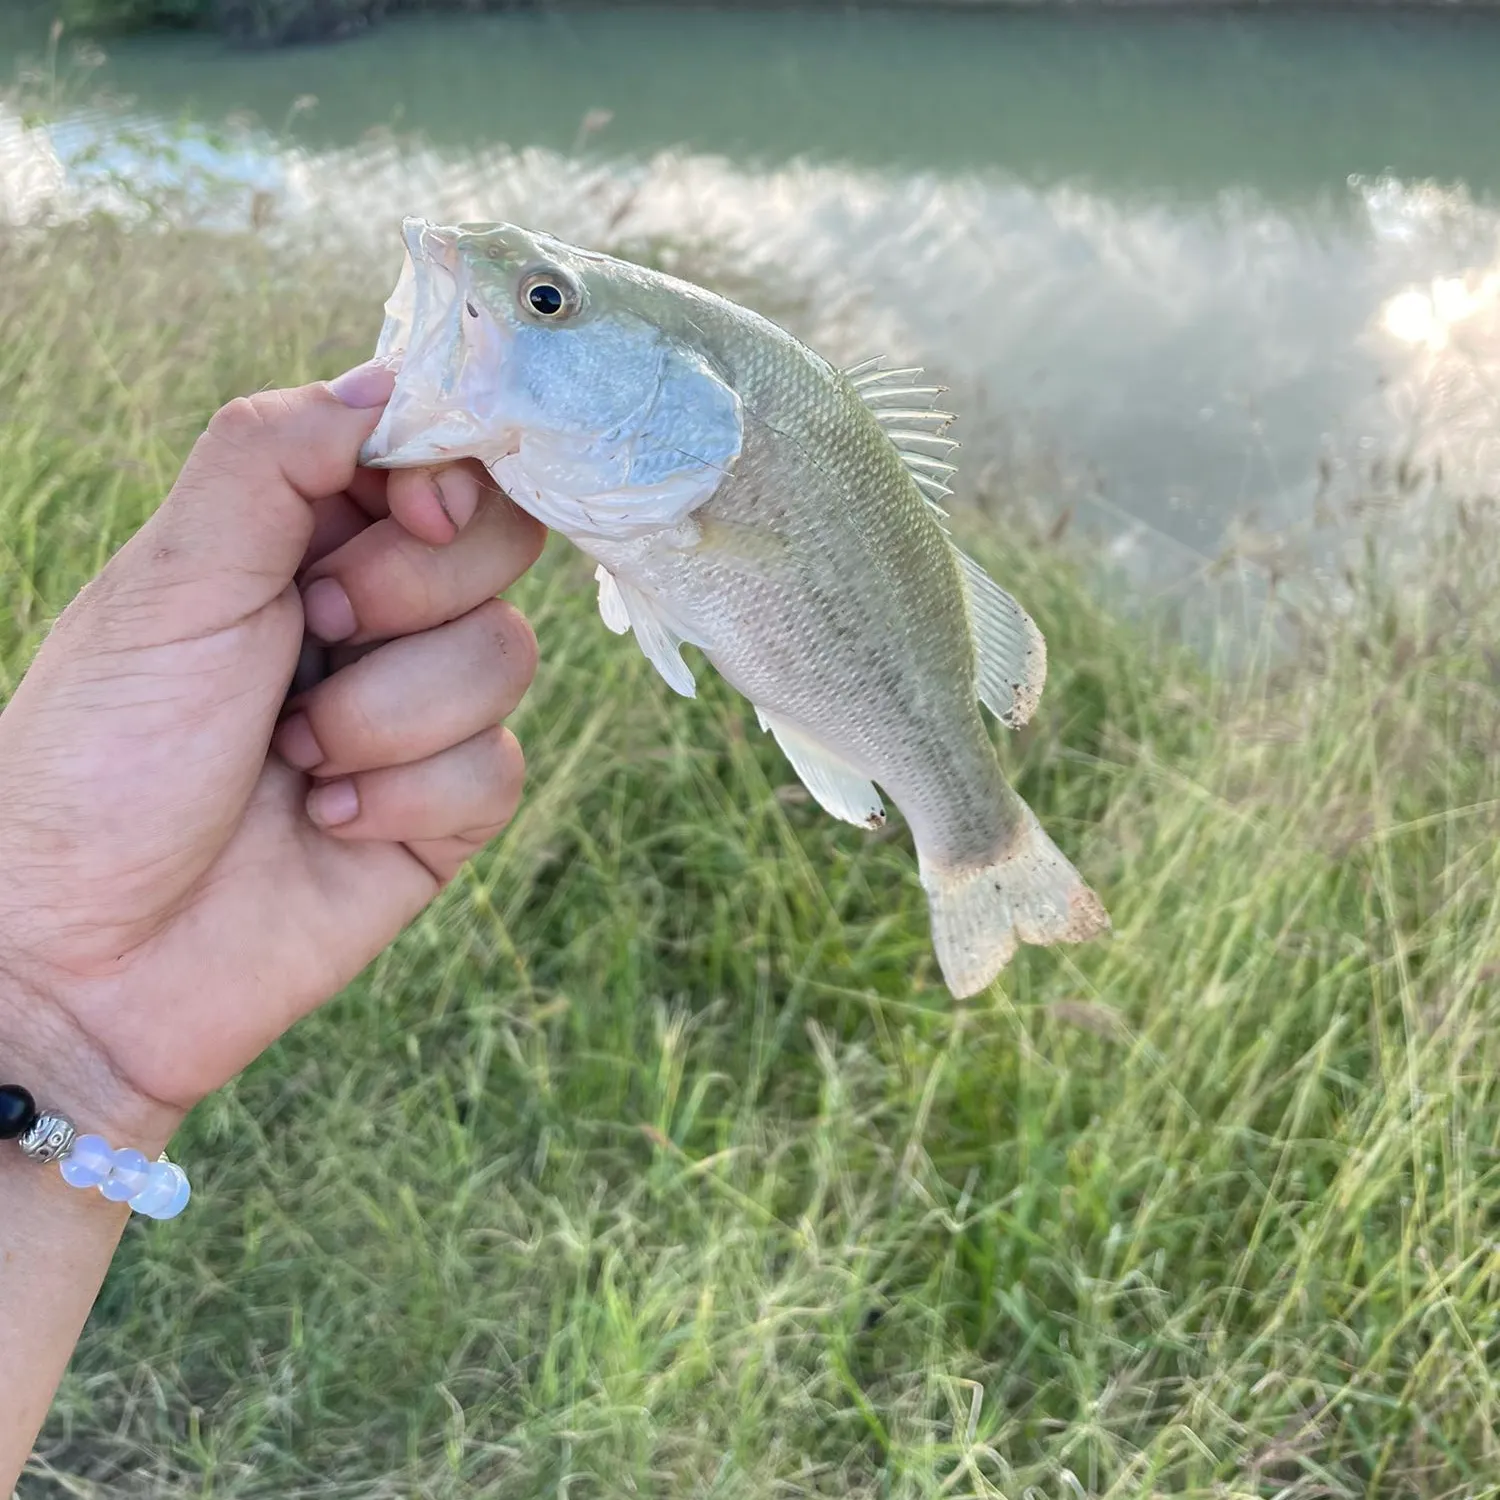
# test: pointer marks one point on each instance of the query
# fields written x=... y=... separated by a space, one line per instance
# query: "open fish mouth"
x=447 y=352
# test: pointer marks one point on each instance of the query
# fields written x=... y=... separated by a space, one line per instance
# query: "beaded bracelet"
x=156 y=1189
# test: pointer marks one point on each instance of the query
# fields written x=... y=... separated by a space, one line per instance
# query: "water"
x=1184 y=274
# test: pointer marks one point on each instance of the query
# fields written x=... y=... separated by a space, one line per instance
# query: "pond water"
x=1184 y=273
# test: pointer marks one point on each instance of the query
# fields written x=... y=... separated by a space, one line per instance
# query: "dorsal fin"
x=1010 y=656
x=902 y=435
x=905 y=408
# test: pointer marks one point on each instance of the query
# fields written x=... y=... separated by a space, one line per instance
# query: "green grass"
x=655 y=1161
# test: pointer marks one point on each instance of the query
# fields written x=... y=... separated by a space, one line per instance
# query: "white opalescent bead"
x=159 y=1191
x=180 y=1197
x=88 y=1163
x=127 y=1176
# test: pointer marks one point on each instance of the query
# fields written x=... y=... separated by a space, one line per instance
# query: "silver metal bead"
x=51 y=1137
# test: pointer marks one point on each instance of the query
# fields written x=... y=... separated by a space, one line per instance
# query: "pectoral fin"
x=833 y=786
x=611 y=606
x=626 y=608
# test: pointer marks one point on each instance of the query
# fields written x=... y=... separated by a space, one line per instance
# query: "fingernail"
x=296 y=744
x=332 y=803
x=458 y=497
x=327 y=610
x=365 y=385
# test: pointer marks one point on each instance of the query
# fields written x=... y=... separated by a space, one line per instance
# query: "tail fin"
x=1031 y=895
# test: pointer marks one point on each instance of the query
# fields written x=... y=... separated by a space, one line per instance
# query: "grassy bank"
x=655 y=1161
x=254 y=21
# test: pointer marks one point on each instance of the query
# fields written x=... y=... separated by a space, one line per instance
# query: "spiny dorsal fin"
x=904 y=407
x=1010 y=655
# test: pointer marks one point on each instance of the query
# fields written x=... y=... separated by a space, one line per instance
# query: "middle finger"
x=385 y=582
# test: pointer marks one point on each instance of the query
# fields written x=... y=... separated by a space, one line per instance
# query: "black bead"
x=17 y=1111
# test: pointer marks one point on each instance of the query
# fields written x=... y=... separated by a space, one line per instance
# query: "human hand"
x=172 y=896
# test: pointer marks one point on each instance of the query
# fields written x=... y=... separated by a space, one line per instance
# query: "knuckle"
x=237 y=421
x=509 y=756
x=474 y=839
x=273 y=406
x=509 y=771
x=502 y=779
x=248 y=419
x=514 y=639
x=248 y=422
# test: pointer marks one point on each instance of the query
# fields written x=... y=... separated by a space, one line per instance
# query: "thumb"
x=231 y=534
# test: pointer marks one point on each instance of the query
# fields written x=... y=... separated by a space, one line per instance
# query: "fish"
x=741 y=494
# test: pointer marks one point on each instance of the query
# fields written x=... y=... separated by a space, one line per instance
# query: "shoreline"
x=291 y=22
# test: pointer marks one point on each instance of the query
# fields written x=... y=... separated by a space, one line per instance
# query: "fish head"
x=560 y=370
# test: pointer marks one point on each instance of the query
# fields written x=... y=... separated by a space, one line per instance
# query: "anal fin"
x=837 y=789
x=1009 y=651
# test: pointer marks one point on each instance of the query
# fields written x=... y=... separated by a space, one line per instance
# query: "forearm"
x=56 y=1241
x=55 y=1246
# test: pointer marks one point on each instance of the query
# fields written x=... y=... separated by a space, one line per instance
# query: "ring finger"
x=412 y=697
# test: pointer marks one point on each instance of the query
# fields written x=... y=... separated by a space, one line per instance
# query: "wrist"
x=46 y=1052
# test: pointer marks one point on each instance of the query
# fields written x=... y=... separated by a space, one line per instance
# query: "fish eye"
x=545 y=299
x=549 y=294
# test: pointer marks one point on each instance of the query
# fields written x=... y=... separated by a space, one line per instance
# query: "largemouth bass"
x=740 y=494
